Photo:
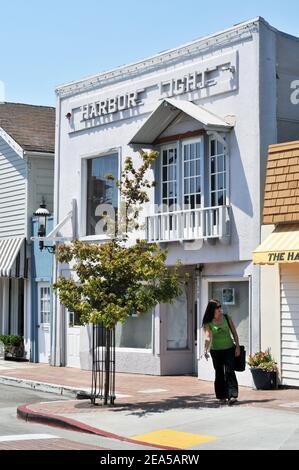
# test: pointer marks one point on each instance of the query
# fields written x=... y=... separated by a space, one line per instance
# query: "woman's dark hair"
x=210 y=310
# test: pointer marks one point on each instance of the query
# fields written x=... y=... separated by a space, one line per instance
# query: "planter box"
x=264 y=380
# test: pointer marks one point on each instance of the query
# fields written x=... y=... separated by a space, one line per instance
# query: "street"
x=16 y=434
x=196 y=427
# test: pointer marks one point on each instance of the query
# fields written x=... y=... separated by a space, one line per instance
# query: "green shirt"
x=221 y=335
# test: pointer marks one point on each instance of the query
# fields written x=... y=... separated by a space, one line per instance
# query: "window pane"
x=177 y=323
x=186 y=152
x=198 y=188
x=192 y=185
x=220 y=148
x=187 y=186
x=213 y=165
x=100 y=190
x=165 y=157
x=171 y=190
x=213 y=182
x=136 y=332
x=220 y=163
x=192 y=152
x=213 y=199
x=164 y=173
x=221 y=200
x=213 y=147
x=220 y=181
x=186 y=169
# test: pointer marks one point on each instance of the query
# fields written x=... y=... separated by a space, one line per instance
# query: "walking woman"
x=218 y=329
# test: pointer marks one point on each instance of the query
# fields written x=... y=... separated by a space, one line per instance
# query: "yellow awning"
x=281 y=246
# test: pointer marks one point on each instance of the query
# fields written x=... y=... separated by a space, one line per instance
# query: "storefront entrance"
x=44 y=318
x=233 y=294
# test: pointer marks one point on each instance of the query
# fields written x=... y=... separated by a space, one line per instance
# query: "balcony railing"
x=187 y=225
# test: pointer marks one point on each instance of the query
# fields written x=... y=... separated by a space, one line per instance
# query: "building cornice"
x=213 y=42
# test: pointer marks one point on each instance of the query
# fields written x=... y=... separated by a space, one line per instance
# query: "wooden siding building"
x=27 y=141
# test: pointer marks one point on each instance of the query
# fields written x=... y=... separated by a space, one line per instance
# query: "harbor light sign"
x=110 y=105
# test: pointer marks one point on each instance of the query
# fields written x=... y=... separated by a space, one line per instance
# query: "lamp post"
x=42 y=215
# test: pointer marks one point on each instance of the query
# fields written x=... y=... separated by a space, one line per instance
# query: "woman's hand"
x=237 y=351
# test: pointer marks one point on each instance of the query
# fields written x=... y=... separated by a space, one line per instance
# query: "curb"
x=62 y=390
x=25 y=413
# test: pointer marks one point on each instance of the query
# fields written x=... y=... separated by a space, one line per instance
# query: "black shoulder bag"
x=240 y=361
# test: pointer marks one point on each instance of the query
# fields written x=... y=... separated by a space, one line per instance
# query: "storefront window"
x=101 y=191
x=177 y=323
x=234 y=298
x=136 y=332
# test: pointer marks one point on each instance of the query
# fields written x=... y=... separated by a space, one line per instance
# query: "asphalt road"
x=19 y=434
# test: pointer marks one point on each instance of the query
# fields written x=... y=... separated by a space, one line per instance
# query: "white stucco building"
x=211 y=108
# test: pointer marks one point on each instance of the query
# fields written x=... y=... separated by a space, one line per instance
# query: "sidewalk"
x=151 y=404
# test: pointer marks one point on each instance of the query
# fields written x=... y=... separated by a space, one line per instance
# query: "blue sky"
x=48 y=43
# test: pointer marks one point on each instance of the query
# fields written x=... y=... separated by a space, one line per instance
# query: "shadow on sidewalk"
x=142 y=408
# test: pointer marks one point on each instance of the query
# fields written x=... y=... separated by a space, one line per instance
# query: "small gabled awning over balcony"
x=167 y=111
x=281 y=246
x=12 y=257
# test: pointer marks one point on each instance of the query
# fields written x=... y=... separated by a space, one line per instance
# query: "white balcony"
x=187 y=225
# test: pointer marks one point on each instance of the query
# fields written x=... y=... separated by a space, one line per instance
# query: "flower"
x=262 y=360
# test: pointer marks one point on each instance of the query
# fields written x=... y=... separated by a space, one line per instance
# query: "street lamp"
x=42 y=215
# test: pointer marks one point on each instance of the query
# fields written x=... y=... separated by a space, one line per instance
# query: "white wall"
x=40 y=183
x=12 y=192
x=244 y=146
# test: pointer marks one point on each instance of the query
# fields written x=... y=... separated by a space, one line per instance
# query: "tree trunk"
x=107 y=366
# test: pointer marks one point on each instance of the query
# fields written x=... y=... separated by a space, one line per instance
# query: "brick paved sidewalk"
x=148 y=392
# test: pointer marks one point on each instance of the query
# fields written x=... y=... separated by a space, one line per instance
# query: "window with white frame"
x=191 y=175
x=187 y=163
x=45 y=305
x=101 y=192
x=169 y=178
x=217 y=170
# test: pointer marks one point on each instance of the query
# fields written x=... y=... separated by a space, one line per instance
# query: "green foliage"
x=133 y=185
x=11 y=340
x=113 y=280
x=262 y=360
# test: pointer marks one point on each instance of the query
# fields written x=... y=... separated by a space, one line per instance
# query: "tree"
x=113 y=280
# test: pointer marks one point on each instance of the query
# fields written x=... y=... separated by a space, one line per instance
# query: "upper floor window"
x=192 y=179
x=217 y=165
x=100 y=191
x=169 y=177
x=192 y=174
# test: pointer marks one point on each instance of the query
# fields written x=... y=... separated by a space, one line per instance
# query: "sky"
x=46 y=43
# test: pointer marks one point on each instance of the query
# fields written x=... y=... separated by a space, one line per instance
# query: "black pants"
x=226 y=385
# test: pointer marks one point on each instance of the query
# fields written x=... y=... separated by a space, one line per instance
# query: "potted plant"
x=264 y=370
x=13 y=346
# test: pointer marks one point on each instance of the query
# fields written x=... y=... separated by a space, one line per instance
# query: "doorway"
x=44 y=321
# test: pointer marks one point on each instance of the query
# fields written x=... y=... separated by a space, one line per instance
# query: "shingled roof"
x=281 y=203
x=32 y=127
